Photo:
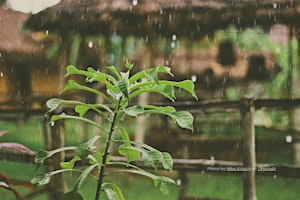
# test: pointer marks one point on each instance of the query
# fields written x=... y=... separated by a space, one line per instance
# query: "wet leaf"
x=42 y=179
x=167 y=161
x=183 y=119
x=127 y=149
x=70 y=164
x=186 y=85
x=82 y=151
x=113 y=192
x=152 y=158
x=134 y=111
x=123 y=85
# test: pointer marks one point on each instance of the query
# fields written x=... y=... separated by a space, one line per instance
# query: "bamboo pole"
x=248 y=143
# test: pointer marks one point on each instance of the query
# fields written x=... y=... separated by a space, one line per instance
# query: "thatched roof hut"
x=191 y=19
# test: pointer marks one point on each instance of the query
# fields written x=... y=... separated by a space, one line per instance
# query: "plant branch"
x=106 y=152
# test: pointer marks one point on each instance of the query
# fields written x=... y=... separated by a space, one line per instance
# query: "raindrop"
x=173 y=45
x=47 y=32
x=212 y=158
x=0 y=55
x=1 y=74
x=277 y=49
x=178 y=182
x=194 y=78
x=52 y=123
x=170 y=17
x=274 y=5
x=288 y=138
x=174 y=37
x=254 y=22
x=90 y=44
x=134 y=2
x=275 y=176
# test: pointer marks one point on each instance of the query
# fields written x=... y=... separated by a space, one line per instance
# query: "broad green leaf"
x=112 y=191
x=83 y=176
x=167 y=161
x=165 y=90
x=142 y=74
x=82 y=109
x=187 y=85
x=91 y=75
x=129 y=152
x=70 y=164
x=43 y=154
x=111 y=194
x=65 y=116
x=152 y=158
x=72 y=195
x=71 y=85
x=163 y=184
x=72 y=70
x=152 y=75
x=84 y=149
x=126 y=149
x=134 y=111
x=183 y=119
x=42 y=179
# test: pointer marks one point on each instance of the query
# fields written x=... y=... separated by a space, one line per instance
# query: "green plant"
x=121 y=89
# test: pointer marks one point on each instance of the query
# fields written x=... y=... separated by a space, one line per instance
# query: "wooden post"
x=248 y=148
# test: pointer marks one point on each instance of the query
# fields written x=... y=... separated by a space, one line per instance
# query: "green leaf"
x=128 y=65
x=84 y=149
x=152 y=158
x=163 y=184
x=72 y=85
x=187 y=85
x=167 y=161
x=65 y=116
x=165 y=90
x=134 y=111
x=42 y=179
x=40 y=157
x=72 y=195
x=82 y=109
x=152 y=75
x=184 y=119
x=83 y=176
x=70 y=164
x=126 y=149
x=129 y=152
x=142 y=74
x=123 y=85
x=43 y=154
x=159 y=181
x=112 y=191
x=113 y=69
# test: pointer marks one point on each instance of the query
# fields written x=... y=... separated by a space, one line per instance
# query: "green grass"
x=231 y=187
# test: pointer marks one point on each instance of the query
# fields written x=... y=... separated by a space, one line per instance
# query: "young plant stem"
x=106 y=152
